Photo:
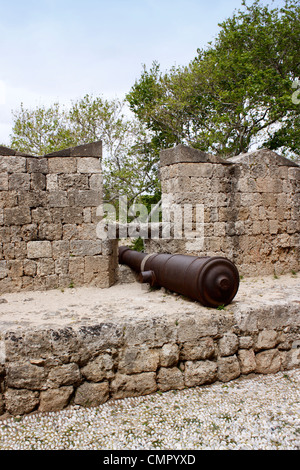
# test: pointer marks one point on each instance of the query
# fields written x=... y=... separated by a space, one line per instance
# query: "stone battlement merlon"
x=48 y=219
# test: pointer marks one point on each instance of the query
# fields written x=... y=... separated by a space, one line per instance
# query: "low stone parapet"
x=87 y=346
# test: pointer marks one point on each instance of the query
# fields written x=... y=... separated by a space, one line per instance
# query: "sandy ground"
x=90 y=304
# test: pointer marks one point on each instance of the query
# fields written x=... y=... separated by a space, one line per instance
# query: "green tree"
x=235 y=93
x=41 y=130
x=129 y=162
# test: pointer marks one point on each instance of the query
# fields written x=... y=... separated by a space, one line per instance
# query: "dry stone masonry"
x=125 y=344
x=157 y=343
x=48 y=218
x=251 y=207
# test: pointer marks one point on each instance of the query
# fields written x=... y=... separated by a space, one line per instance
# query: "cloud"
x=61 y=50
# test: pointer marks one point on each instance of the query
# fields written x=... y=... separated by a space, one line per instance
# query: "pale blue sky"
x=60 y=50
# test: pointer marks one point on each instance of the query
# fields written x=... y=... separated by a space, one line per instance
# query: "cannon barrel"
x=213 y=281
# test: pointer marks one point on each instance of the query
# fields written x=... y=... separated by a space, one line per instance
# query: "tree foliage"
x=235 y=93
x=129 y=162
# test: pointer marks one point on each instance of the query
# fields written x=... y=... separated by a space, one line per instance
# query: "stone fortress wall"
x=152 y=341
x=251 y=207
x=48 y=214
x=48 y=221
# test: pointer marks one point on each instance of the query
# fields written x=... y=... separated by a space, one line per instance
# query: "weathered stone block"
x=133 y=385
x=3 y=181
x=170 y=378
x=96 y=264
x=228 y=368
x=12 y=164
x=268 y=362
x=76 y=265
x=73 y=181
x=41 y=215
x=58 y=199
x=202 y=349
x=24 y=375
x=245 y=342
x=88 y=198
x=246 y=320
x=61 y=249
x=88 y=165
x=38 y=182
x=290 y=359
x=228 y=344
x=64 y=345
x=87 y=232
x=267 y=339
x=45 y=267
x=55 y=399
x=32 y=199
x=8 y=199
x=87 y=215
x=17 y=216
x=95 y=182
x=19 y=180
x=29 y=232
x=273 y=226
x=247 y=361
x=62 y=266
x=19 y=402
x=52 y=182
x=39 y=249
x=199 y=373
x=70 y=231
x=50 y=231
x=2 y=357
x=3 y=269
x=1 y=404
x=85 y=247
x=91 y=394
x=15 y=268
x=169 y=355
x=37 y=165
x=99 y=368
x=59 y=165
x=67 y=374
x=99 y=337
x=72 y=215
x=190 y=329
x=135 y=360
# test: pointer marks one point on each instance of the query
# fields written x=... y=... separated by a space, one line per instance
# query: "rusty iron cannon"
x=213 y=281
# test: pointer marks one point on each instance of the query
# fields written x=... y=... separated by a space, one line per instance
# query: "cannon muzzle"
x=213 y=281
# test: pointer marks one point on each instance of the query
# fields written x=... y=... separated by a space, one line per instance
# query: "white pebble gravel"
x=257 y=413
